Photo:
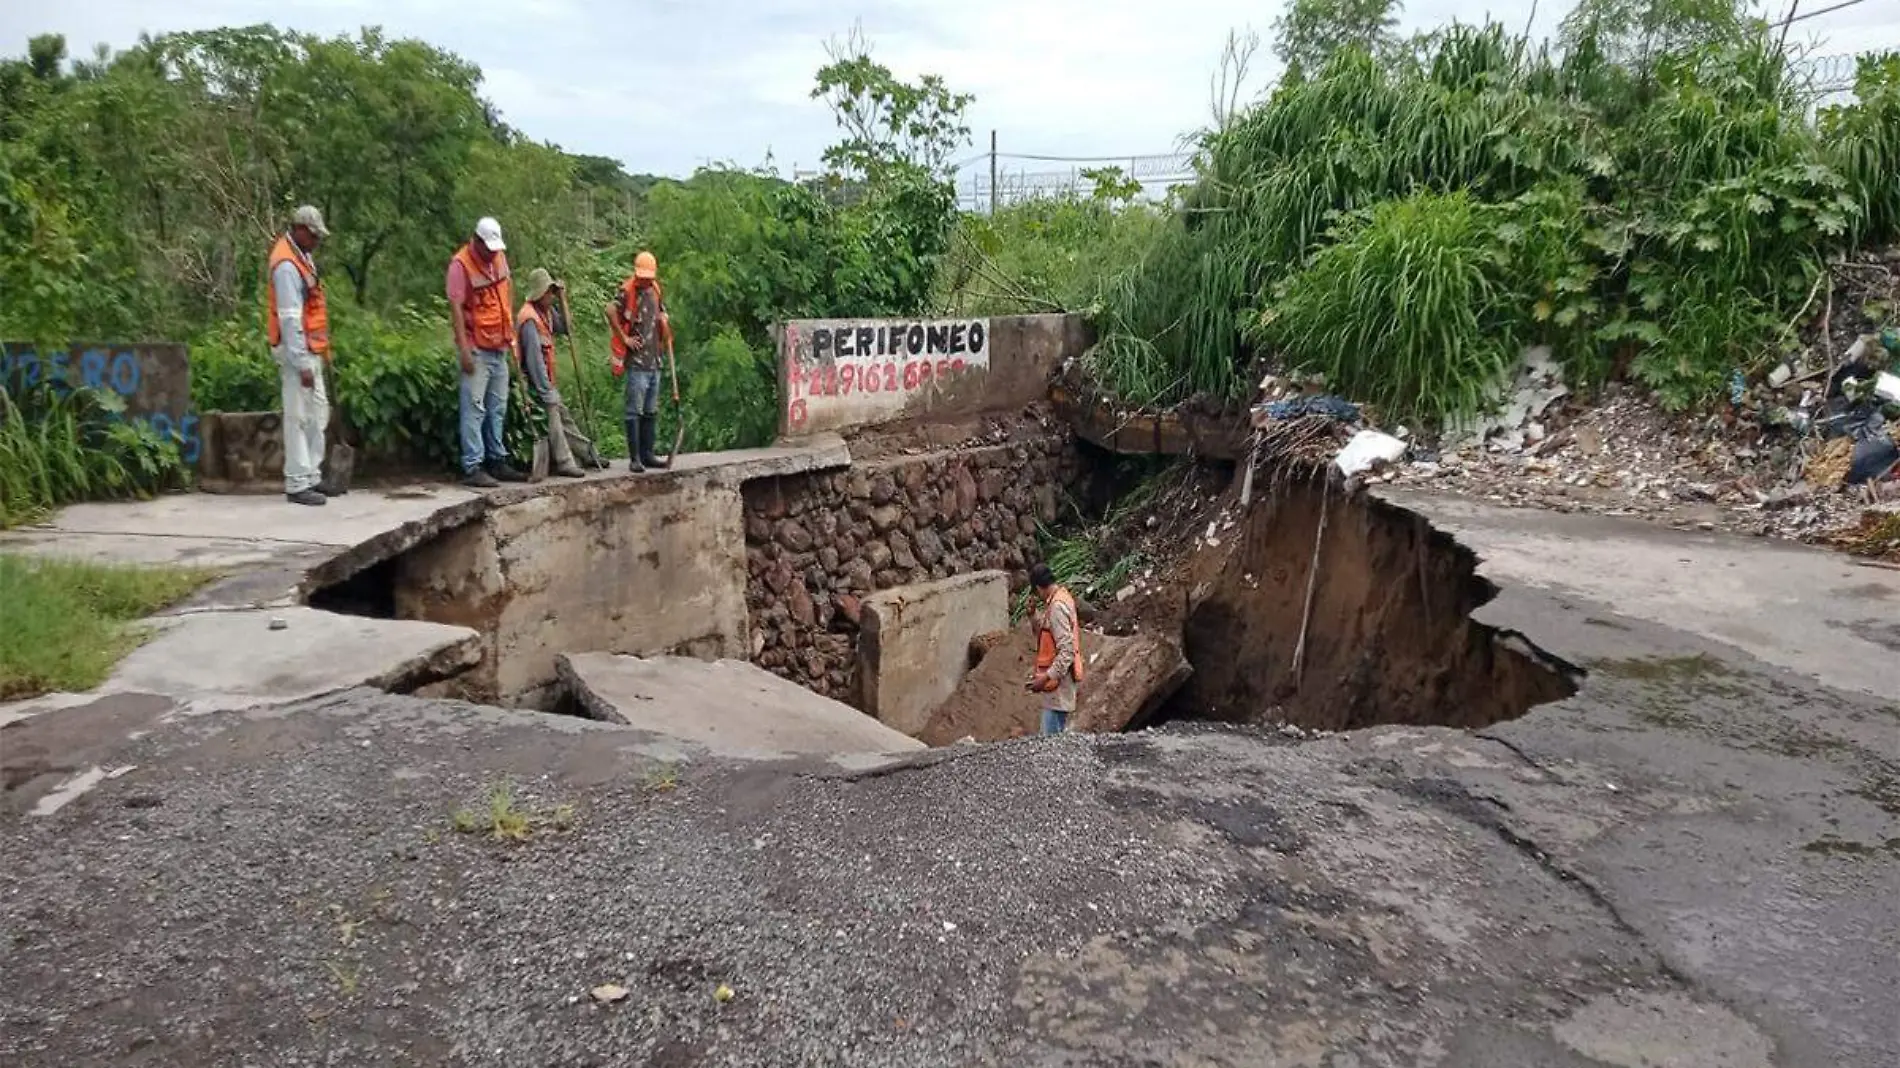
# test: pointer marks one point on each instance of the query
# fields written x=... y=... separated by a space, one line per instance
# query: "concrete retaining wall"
x=817 y=544
x=154 y=381
x=915 y=645
x=844 y=375
x=638 y=566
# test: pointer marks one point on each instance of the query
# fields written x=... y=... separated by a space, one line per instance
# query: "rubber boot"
x=649 y=426
x=633 y=444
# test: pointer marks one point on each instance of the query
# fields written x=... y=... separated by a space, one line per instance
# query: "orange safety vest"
x=627 y=304
x=531 y=313
x=488 y=311
x=316 y=311
x=1046 y=638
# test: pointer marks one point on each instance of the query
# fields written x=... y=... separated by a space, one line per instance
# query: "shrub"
x=1405 y=309
x=57 y=449
x=1670 y=215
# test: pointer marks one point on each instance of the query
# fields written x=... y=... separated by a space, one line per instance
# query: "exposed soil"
x=991 y=704
x=1127 y=680
x=1390 y=637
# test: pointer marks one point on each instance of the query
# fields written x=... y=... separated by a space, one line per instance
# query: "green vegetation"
x=1406 y=222
x=65 y=623
x=505 y=819
x=1654 y=196
x=58 y=449
x=139 y=193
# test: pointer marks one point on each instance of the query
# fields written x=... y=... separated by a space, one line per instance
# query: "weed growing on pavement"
x=65 y=623
x=662 y=777
x=506 y=819
x=347 y=976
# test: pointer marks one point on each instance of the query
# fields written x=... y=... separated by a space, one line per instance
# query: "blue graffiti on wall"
x=100 y=369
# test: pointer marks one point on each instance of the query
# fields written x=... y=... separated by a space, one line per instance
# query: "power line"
x=1818 y=12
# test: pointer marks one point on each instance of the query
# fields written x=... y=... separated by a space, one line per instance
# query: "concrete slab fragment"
x=344 y=521
x=213 y=660
x=727 y=707
x=1796 y=607
x=1127 y=680
x=915 y=641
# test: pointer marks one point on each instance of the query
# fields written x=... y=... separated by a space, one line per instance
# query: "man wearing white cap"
x=482 y=313
x=297 y=324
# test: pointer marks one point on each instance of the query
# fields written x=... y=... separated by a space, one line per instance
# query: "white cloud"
x=665 y=85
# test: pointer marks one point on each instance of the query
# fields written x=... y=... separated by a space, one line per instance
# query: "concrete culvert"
x=1388 y=639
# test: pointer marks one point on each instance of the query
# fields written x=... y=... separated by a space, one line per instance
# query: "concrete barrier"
x=914 y=645
x=727 y=707
x=837 y=375
x=153 y=379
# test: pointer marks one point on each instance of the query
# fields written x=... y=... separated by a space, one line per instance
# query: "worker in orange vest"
x=534 y=344
x=641 y=334
x=482 y=314
x=1058 y=673
x=297 y=322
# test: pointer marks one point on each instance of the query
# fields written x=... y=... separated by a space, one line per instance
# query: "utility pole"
x=1782 y=44
x=992 y=174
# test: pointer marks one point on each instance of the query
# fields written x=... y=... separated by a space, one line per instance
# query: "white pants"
x=306 y=413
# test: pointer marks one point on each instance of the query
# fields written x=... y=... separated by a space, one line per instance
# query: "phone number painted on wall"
x=837 y=368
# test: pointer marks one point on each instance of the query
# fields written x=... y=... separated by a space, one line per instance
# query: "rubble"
x=1628 y=457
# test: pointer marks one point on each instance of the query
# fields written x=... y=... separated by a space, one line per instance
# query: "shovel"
x=594 y=459
x=538 y=467
x=679 y=413
x=339 y=459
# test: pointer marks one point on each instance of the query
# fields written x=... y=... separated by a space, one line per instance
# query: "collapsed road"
x=421 y=784
x=1691 y=860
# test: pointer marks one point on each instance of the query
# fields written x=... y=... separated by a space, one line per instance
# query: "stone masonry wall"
x=817 y=543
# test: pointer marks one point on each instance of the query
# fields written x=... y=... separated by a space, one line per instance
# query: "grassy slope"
x=65 y=623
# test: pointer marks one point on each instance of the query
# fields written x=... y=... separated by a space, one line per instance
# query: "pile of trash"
x=1799 y=455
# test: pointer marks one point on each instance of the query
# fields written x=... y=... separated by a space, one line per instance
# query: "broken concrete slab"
x=726 y=707
x=913 y=648
x=1760 y=596
x=344 y=521
x=212 y=660
x=1127 y=681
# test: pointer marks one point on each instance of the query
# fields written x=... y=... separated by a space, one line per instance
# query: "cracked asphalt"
x=1693 y=862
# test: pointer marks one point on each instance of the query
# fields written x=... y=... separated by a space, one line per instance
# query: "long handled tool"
x=679 y=413
x=339 y=461
x=580 y=385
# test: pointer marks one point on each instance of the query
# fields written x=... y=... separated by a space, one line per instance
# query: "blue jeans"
x=1054 y=721
x=643 y=392
x=484 y=406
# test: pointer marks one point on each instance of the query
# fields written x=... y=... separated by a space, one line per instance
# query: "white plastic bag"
x=1366 y=449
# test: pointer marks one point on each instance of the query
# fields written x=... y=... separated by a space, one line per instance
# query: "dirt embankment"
x=1126 y=681
x=1389 y=638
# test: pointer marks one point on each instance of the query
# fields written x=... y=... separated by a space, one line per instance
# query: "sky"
x=666 y=86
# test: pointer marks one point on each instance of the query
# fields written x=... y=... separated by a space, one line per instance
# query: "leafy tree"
x=1310 y=31
x=887 y=123
x=386 y=128
x=1635 y=32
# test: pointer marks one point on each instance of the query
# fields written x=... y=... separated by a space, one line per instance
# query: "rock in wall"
x=817 y=543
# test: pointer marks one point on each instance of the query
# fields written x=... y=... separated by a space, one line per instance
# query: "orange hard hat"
x=645 y=266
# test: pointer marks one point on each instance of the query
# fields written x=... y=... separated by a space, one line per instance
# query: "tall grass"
x=55 y=450
x=1405 y=223
x=64 y=623
x=1406 y=311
